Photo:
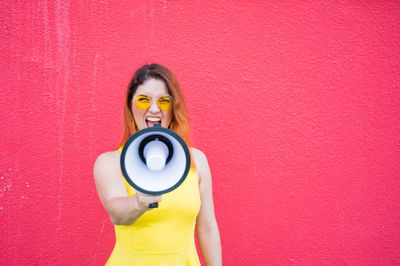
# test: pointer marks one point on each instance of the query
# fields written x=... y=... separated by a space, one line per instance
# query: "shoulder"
x=108 y=177
x=108 y=157
x=200 y=160
x=198 y=156
x=107 y=161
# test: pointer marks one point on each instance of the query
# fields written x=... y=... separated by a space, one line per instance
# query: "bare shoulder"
x=110 y=154
x=108 y=161
x=200 y=160
x=198 y=156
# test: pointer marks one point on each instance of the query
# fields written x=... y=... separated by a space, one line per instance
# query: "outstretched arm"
x=121 y=208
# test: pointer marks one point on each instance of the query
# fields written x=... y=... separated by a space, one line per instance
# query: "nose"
x=154 y=107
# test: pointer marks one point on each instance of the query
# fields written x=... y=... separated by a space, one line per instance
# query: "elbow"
x=115 y=217
x=119 y=214
x=119 y=221
x=207 y=228
x=114 y=220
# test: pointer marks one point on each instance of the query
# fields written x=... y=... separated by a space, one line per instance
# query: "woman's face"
x=154 y=88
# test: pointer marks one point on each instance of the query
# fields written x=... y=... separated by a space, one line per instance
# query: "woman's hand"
x=144 y=200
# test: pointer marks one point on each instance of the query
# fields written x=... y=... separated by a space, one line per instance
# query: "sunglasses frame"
x=151 y=101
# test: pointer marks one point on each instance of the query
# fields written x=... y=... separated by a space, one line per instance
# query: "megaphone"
x=155 y=161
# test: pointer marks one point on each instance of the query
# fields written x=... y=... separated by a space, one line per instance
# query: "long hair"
x=180 y=118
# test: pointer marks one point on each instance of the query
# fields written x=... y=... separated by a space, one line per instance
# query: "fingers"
x=145 y=200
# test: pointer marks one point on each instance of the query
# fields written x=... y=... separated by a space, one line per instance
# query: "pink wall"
x=295 y=103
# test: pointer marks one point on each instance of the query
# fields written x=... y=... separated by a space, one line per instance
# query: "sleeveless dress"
x=163 y=236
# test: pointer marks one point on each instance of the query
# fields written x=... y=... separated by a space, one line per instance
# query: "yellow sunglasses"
x=143 y=102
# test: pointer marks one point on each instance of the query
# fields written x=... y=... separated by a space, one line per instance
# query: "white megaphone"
x=155 y=161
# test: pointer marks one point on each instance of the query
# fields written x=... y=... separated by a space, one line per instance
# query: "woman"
x=162 y=236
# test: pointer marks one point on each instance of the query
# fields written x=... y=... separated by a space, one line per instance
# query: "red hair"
x=180 y=117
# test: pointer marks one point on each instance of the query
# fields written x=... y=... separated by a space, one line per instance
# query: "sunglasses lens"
x=165 y=102
x=142 y=102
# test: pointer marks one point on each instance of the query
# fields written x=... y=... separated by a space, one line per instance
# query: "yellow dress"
x=163 y=236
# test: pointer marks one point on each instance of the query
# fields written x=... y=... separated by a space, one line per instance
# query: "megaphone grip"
x=153 y=205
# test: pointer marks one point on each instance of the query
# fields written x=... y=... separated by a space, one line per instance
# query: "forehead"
x=153 y=88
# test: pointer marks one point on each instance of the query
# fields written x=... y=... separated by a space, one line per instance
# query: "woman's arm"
x=122 y=209
x=206 y=224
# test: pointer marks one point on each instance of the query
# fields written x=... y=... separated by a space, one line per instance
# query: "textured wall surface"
x=295 y=103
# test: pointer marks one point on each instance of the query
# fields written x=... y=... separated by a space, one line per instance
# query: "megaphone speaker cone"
x=156 y=154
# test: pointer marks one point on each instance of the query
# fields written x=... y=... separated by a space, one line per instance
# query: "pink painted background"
x=295 y=103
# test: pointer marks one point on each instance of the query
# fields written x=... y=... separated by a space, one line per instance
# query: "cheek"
x=137 y=114
x=168 y=117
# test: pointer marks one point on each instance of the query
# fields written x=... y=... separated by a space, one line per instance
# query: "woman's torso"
x=165 y=235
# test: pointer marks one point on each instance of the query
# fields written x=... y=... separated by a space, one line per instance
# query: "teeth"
x=153 y=119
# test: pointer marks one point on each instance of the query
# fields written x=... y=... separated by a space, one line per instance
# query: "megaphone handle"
x=153 y=205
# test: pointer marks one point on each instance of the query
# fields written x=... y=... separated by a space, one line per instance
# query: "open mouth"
x=151 y=121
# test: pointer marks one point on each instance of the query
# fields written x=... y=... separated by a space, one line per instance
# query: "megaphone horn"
x=155 y=160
